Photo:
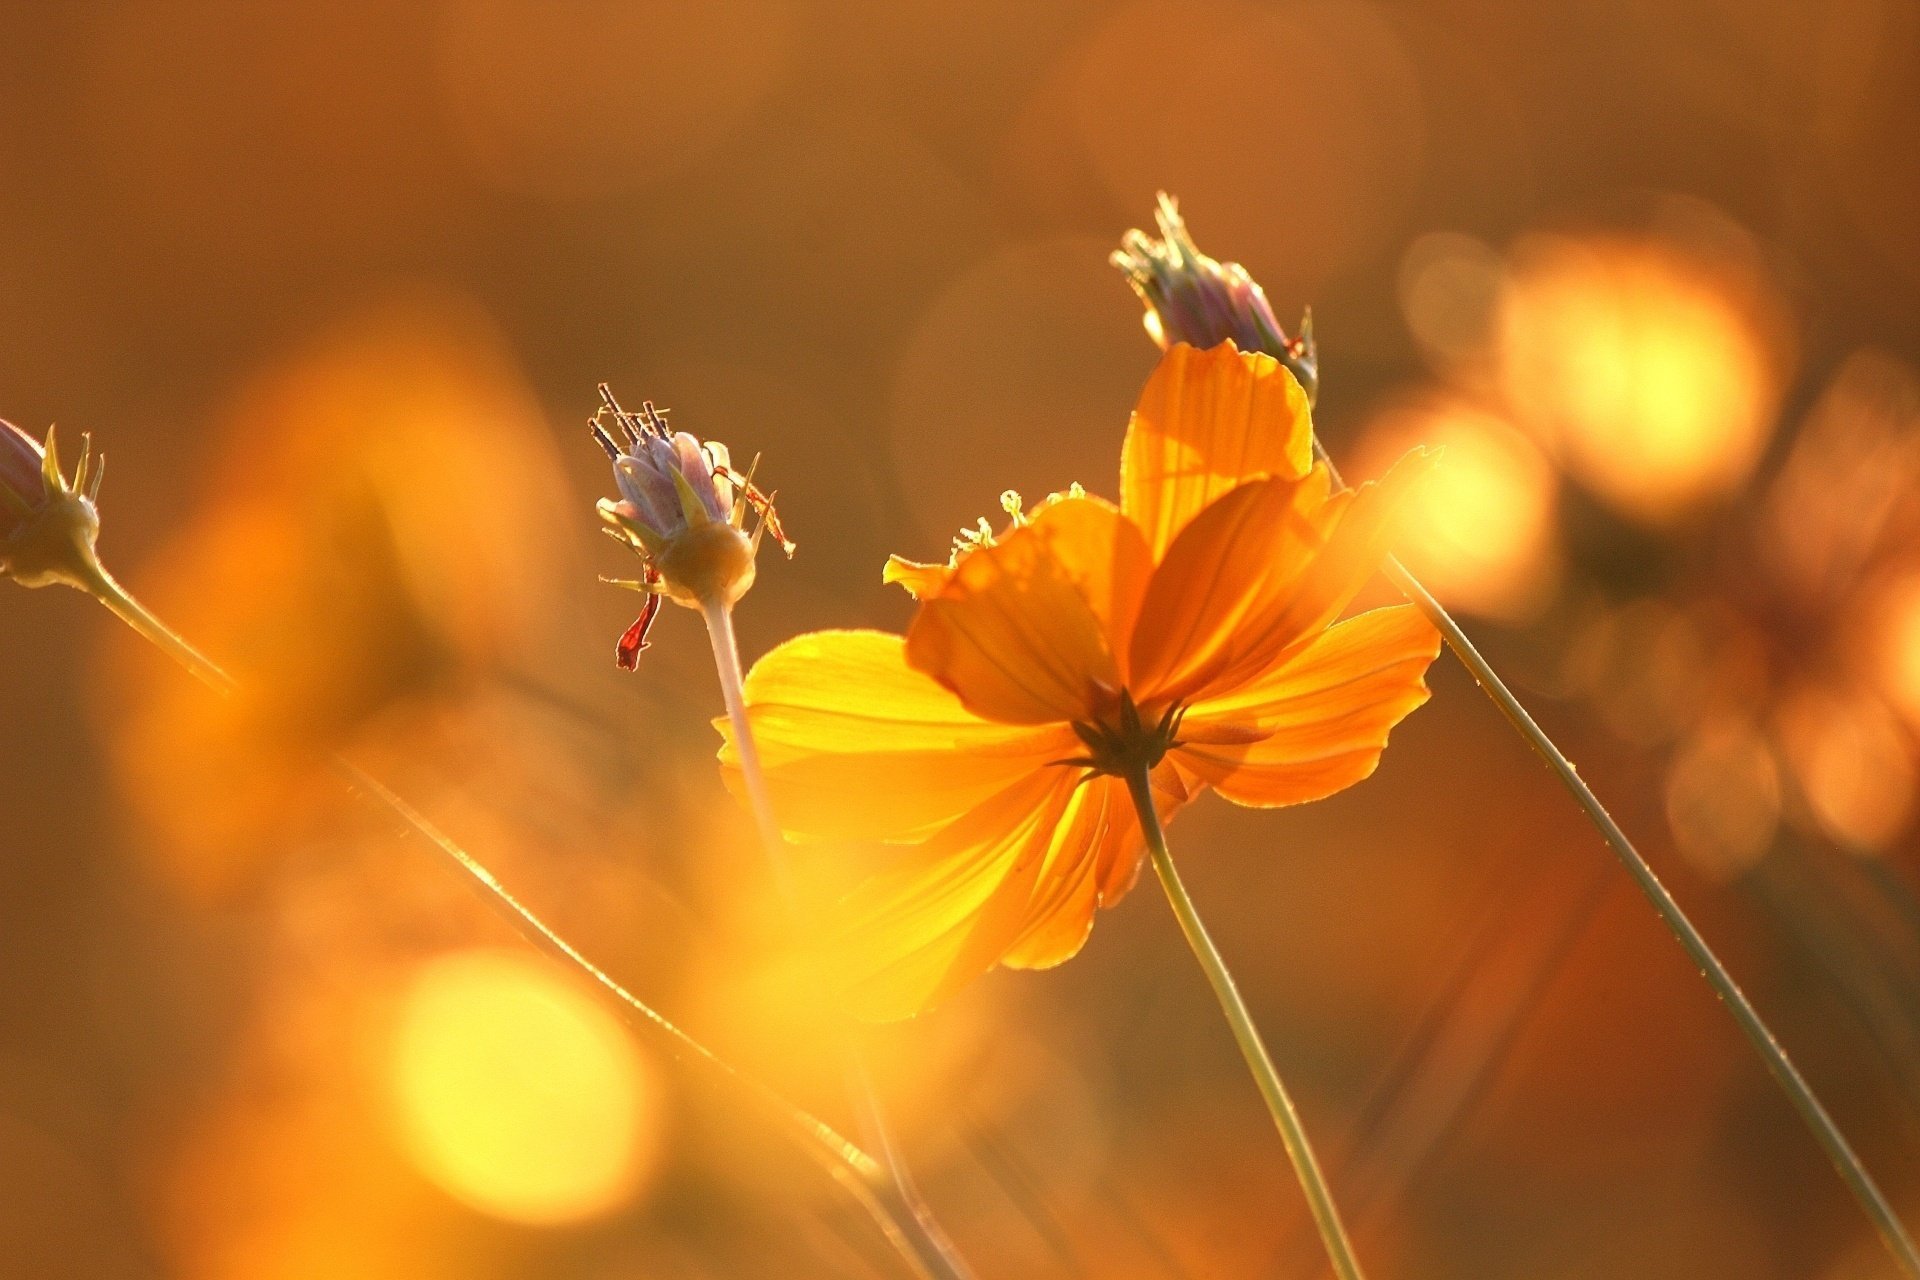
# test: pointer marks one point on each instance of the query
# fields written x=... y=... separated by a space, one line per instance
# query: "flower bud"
x=48 y=524
x=22 y=491
x=683 y=510
x=1191 y=298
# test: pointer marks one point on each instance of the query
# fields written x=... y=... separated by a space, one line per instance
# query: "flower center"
x=1127 y=744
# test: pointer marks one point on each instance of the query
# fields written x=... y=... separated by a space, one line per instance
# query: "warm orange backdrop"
x=334 y=286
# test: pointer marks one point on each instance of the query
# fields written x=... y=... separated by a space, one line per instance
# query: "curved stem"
x=1892 y=1233
x=1319 y=1197
x=852 y=1167
x=938 y=1250
x=858 y=1173
x=1845 y=1162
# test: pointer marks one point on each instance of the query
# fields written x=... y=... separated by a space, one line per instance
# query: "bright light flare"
x=1723 y=798
x=517 y=1094
x=1898 y=642
x=1651 y=375
x=1449 y=293
x=1480 y=529
x=1853 y=766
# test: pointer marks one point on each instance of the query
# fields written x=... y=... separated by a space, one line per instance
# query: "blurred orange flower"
x=1190 y=631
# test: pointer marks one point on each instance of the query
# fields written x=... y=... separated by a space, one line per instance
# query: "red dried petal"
x=627 y=652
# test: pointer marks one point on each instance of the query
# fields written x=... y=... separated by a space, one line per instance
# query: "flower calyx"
x=49 y=522
x=1125 y=744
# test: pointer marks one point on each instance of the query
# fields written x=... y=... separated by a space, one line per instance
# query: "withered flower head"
x=1191 y=298
x=683 y=510
x=48 y=524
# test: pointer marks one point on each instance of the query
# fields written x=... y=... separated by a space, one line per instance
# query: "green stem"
x=937 y=1250
x=1799 y=1093
x=726 y=665
x=105 y=588
x=858 y=1173
x=1319 y=1197
x=1845 y=1162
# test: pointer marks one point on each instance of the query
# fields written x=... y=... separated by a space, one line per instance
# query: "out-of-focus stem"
x=859 y=1174
x=1292 y=1133
x=938 y=1251
x=1892 y=1233
x=854 y=1168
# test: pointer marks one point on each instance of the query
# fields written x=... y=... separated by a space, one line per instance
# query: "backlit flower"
x=1194 y=299
x=1190 y=631
x=683 y=509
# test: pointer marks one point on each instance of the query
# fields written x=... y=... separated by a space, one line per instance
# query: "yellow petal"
x=1206 y=421
x=1318 y=723
x=1357 y=541
x=920 y=580
x=1073 y=891
x=953 y=906
x=856 y=744
x=1066 y=894
x=1016 y=881
x=1257 y=541
x=1024 y=630
x=1105 y=556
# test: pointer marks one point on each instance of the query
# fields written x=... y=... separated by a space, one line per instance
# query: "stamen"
x=605 y=440
x=655 y=420
x=636 y=427
x=621 y=418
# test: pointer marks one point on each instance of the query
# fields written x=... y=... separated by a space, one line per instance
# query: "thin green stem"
x=857 y=1173
x=1845 y=1162
x=1319 y=1197
x=1892 y=1233
x=937 y=1250
x=726 y=665
x=105 y=588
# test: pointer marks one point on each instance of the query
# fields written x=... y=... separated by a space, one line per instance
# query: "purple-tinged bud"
x=22 y=491
x=48 y=523
x=1194 y=299
x=683 y=510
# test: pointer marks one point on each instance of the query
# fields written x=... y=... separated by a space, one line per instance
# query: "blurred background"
x=334 y=286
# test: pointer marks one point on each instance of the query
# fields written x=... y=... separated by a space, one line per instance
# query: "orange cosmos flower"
x=1191 y=631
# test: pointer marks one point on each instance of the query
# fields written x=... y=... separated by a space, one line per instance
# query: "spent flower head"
x=48 y=523
x=683 y=510
x=1194 y=299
